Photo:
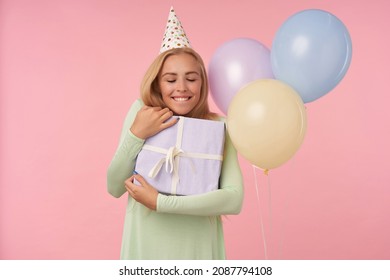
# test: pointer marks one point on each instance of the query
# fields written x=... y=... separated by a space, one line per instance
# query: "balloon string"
x=260 y=215
x=285 y=212
x=269 y=206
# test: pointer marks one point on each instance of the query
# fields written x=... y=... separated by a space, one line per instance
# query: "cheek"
x=195 y=88
x=166 y=98
x=165 y=90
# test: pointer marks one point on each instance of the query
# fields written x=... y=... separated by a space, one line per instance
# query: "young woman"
x=160 y=226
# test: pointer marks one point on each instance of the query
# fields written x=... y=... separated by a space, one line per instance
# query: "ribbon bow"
x=170 y=160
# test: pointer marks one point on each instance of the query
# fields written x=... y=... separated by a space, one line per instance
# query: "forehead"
x=180 y=63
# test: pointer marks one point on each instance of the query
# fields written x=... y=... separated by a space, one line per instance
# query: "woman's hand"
x=151 y=120
x=144 y=194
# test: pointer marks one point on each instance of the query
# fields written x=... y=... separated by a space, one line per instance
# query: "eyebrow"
x=187 y=73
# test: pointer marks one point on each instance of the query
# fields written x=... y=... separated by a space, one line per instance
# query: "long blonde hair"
x=150 y=91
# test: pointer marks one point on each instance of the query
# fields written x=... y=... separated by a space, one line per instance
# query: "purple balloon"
x=235 y=64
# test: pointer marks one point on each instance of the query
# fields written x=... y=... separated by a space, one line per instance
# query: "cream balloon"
x=266 y=121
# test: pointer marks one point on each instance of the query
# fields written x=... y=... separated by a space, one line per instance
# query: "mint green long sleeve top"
x=182 y=227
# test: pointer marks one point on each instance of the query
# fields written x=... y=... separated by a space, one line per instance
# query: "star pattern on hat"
x=174 y=36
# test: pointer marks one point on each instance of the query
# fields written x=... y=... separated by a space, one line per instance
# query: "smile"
x=181 y=99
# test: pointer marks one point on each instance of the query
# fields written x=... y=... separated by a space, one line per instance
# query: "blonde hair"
x=150 y=92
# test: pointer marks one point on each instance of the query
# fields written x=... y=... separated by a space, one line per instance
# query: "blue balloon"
x=311 y=52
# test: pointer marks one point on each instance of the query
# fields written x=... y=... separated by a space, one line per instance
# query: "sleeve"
x=123 y=162
x=226 y=200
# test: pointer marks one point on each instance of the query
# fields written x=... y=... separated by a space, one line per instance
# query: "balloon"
x=267 y=122
x=233 y=65
x=311 y=52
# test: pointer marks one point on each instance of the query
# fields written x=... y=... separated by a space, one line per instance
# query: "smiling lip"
x=181 y=98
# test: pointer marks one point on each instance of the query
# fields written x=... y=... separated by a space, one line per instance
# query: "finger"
x=168 y=114
x=163 y=111
x=129 y=190
x=127 y=187
x=130 y=180
x=140 y=179
x=169 y=123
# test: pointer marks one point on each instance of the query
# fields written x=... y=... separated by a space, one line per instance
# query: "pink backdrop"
x=69 y=72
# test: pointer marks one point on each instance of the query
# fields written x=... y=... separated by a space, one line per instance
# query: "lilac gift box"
x=184 y=159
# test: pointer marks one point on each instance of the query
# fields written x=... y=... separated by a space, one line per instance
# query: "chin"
x=181 y=112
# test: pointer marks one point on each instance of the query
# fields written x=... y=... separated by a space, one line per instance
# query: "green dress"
x=182 y=227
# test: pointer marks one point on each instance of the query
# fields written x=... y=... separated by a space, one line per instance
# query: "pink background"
x=71 y=69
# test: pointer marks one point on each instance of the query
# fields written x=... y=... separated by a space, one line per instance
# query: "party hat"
x=174 y=36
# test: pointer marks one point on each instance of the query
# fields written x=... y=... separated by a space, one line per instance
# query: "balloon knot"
x=266 y=172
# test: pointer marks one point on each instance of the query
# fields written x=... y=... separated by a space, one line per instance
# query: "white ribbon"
x=172 y=156
x=169 y=159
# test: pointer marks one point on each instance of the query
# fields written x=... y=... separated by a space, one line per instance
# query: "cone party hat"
x=174 y=36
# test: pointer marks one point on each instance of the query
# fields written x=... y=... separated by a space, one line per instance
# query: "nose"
x=181 y=85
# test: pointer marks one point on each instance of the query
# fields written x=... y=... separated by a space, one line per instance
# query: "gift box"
x=184 y=159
